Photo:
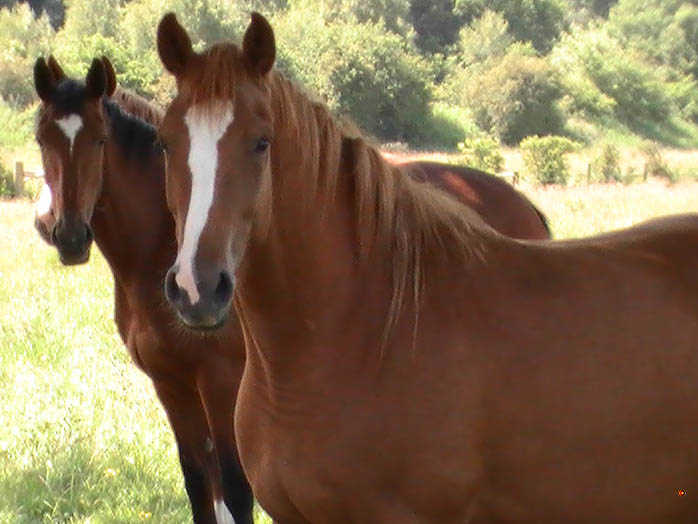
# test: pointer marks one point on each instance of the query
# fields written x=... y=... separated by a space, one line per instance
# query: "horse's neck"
x=132 y=225
x=303 y=279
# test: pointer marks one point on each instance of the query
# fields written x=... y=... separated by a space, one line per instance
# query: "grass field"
x=82 y=437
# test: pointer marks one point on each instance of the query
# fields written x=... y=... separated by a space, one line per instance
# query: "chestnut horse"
x=131 y=169
x=105 y=178
x=406 y=363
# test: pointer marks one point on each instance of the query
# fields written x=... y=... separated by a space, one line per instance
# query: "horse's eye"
x=261 y=146
x=101 y=141
x=160 y=146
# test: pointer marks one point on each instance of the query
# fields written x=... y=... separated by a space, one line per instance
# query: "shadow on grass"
x=672 y=132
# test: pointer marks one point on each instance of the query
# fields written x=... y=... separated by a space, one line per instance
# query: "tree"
x=436 y=23
x=537 y=21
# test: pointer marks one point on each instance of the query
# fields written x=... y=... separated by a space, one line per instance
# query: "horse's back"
x=499 y=204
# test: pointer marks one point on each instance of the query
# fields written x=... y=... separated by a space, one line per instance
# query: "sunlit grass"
x=583 y=211
x=83 y=439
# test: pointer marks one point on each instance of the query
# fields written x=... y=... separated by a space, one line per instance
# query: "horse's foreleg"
x=219 y=390
x=195 y=446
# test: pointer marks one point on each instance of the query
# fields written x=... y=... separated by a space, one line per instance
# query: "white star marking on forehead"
x=70 y=125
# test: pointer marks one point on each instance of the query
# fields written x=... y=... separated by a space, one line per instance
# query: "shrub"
x=22 y=39
x=7 y=185
x=446 y=127
x=515 y=96
x=17 y=127
x=482 y=152
x=544 y=158
x=655 y=163
x=359 y=70
x=607 y=164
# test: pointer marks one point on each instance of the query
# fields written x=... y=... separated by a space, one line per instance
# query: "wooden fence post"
x=19 y=178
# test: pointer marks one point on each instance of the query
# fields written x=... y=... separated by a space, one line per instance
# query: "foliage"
x=17 y=125
x=360 y=70
x=54 y=9
x=655 y=163
x=581 y=68
x=539 y=22
x=22 y=39
x=7 y=185
x=607 y=164
x=482 y=152
x=544 y=158
x=487 y=37
x=394 y=14
x=515 y=96
x=447 y=126
x=436 y=23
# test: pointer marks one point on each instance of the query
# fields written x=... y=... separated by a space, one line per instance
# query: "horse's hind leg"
x=195 y=446
x=219 y=389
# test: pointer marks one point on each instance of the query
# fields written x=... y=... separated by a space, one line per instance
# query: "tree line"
x=429 y=73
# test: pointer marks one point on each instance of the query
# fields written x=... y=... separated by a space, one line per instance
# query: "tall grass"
x=83 y=439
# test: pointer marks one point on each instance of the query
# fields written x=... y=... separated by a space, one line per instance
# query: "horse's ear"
x=258 y=45
x=44 y=82
x=174 y=45
x=56 y=69
x=96 y=80
x=109 y=75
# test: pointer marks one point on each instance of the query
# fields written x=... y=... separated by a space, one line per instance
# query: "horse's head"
x=71 y=132
x=217 y=134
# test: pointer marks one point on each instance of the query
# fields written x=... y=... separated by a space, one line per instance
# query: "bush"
x=539 y=22
x=22 y=39
x=359 y=70
x=655 y=163
x=607 y=164
x=7 y=185
x=17 y=127
x=482 y=152
x=515 y=96
x=544 y=158
x=447 y=126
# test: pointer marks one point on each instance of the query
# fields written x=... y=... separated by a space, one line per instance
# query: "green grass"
x=82 y=437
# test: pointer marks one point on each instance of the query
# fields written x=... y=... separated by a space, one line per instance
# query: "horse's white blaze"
x=43 y=205
x=70 y=125
x=223 y=515
x=205 y=130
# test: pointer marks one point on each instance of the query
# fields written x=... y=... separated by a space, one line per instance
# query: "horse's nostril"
x=172 y=291
x=224 y=290
x=54 y=234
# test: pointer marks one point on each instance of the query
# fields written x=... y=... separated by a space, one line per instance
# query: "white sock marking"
x=70 y=125
x=205 y=130
x=223 y=515
x=43 y=205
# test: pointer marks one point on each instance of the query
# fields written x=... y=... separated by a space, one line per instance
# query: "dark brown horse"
x=105 y=178
x=130 y=205
x=406 y=363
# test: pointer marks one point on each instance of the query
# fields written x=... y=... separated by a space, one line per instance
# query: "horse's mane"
x=398 y=220
x=138 y=106
x=133 y=121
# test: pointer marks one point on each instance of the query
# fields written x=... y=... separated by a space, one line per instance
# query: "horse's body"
x=196 y=377
x=406 y=363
